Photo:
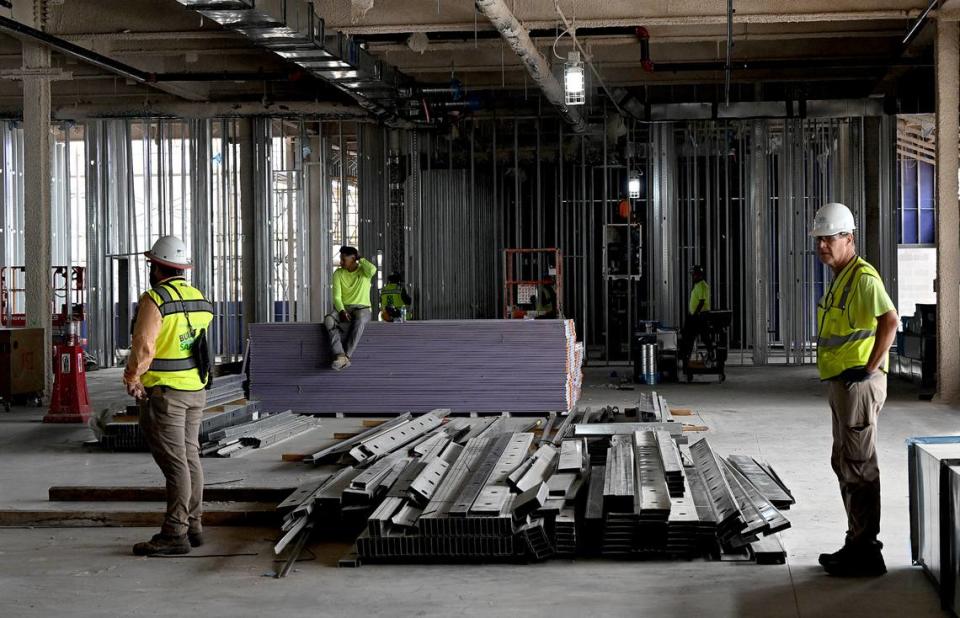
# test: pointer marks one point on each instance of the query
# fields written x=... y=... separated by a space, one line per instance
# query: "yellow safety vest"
x=841 y=343
x=173 y=365
x=391 y=296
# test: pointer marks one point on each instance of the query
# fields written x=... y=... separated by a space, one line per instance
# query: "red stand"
x=70 y=402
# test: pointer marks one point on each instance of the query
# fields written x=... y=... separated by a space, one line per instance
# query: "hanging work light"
x=573 y=83
x=633 y=185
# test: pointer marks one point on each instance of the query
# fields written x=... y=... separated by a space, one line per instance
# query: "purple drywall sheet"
x=524 y=366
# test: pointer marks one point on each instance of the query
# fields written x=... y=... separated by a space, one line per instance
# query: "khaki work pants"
x=170 y=420
x=856 y=408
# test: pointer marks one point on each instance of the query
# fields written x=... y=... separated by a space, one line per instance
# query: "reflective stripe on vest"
x=857 y=335
x=187 y=306
x=173 y=365
x=841 y=344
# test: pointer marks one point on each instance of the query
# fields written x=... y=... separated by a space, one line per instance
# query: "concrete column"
x=248 y=219
x=37 y=205
x=948 y=211
x=318 y=217
x=871 y=239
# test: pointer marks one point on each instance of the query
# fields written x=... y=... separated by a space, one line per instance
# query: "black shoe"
x=858 y=562
x=195 y=538
x=163 y=545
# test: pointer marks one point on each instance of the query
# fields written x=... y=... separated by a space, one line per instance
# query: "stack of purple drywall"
x=463 y=365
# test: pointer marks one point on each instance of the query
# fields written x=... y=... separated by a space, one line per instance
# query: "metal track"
x=774 y=518
x=396 y=437
x=617 y=429
x=729 y=519
x=756 y=474
x=478 y=477
x=342 y=447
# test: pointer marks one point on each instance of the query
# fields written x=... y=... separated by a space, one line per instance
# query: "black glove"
x=856 y=374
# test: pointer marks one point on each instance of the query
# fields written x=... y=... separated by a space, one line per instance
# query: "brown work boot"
x=195 y=538
x=163 y=545
x=341 y=362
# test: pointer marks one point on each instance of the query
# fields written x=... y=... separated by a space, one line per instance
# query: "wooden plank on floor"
x=92 y=493
x=345 y=435
x=238 y=514
x=374 y=422
x=294 y=457
x=681 y=411
x=687 y=427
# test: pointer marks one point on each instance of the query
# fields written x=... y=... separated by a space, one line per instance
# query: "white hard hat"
x=832 y=218
x=169 y=251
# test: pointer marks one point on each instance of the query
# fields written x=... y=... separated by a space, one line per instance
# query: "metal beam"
x=549 y=22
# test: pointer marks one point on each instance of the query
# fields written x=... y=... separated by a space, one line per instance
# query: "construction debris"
x=528 y=366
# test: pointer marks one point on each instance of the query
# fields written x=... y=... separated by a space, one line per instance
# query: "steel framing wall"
x=733 y=195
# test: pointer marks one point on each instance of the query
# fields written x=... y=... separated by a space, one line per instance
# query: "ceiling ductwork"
x=518 y=38
x=291 y=29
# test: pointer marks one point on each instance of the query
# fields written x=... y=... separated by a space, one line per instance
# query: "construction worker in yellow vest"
x=698 y=303
x=394 y=298
x=856 y=325
x=164 y=373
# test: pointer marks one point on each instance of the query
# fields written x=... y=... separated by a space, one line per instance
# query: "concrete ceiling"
x=782 y=50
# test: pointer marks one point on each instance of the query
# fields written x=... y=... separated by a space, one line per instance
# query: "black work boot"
x=163 y=545
x=195 y=538
x=861 y=560
x=837 y=556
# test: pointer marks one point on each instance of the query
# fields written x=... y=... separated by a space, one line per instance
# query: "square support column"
x=37 y=204
x=948 y=211
x=248 y=265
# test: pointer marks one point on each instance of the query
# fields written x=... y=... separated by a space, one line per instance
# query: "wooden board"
x=90 y=493
x=214 y=514
x=681 y=411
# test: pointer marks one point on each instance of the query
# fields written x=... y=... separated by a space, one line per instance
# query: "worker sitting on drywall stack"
x=394 y=299
x=699 y=302
x=856 y=325
x=351 y=303
x=167 y=372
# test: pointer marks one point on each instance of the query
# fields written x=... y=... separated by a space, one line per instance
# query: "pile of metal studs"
x=433 y=488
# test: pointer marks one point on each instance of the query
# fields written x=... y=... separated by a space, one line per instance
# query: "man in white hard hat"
x=167 y=372
x=856 y=325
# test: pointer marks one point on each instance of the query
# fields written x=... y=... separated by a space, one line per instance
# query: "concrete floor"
x=778 y=413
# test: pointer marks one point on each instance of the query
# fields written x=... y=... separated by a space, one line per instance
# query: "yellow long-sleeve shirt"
x=353 y=288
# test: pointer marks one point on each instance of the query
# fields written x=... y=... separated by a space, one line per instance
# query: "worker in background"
x=351 y=303
x=856 y=325
x=699 y=302
x=394 y=298
x=546 y=300
x=165 y=376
